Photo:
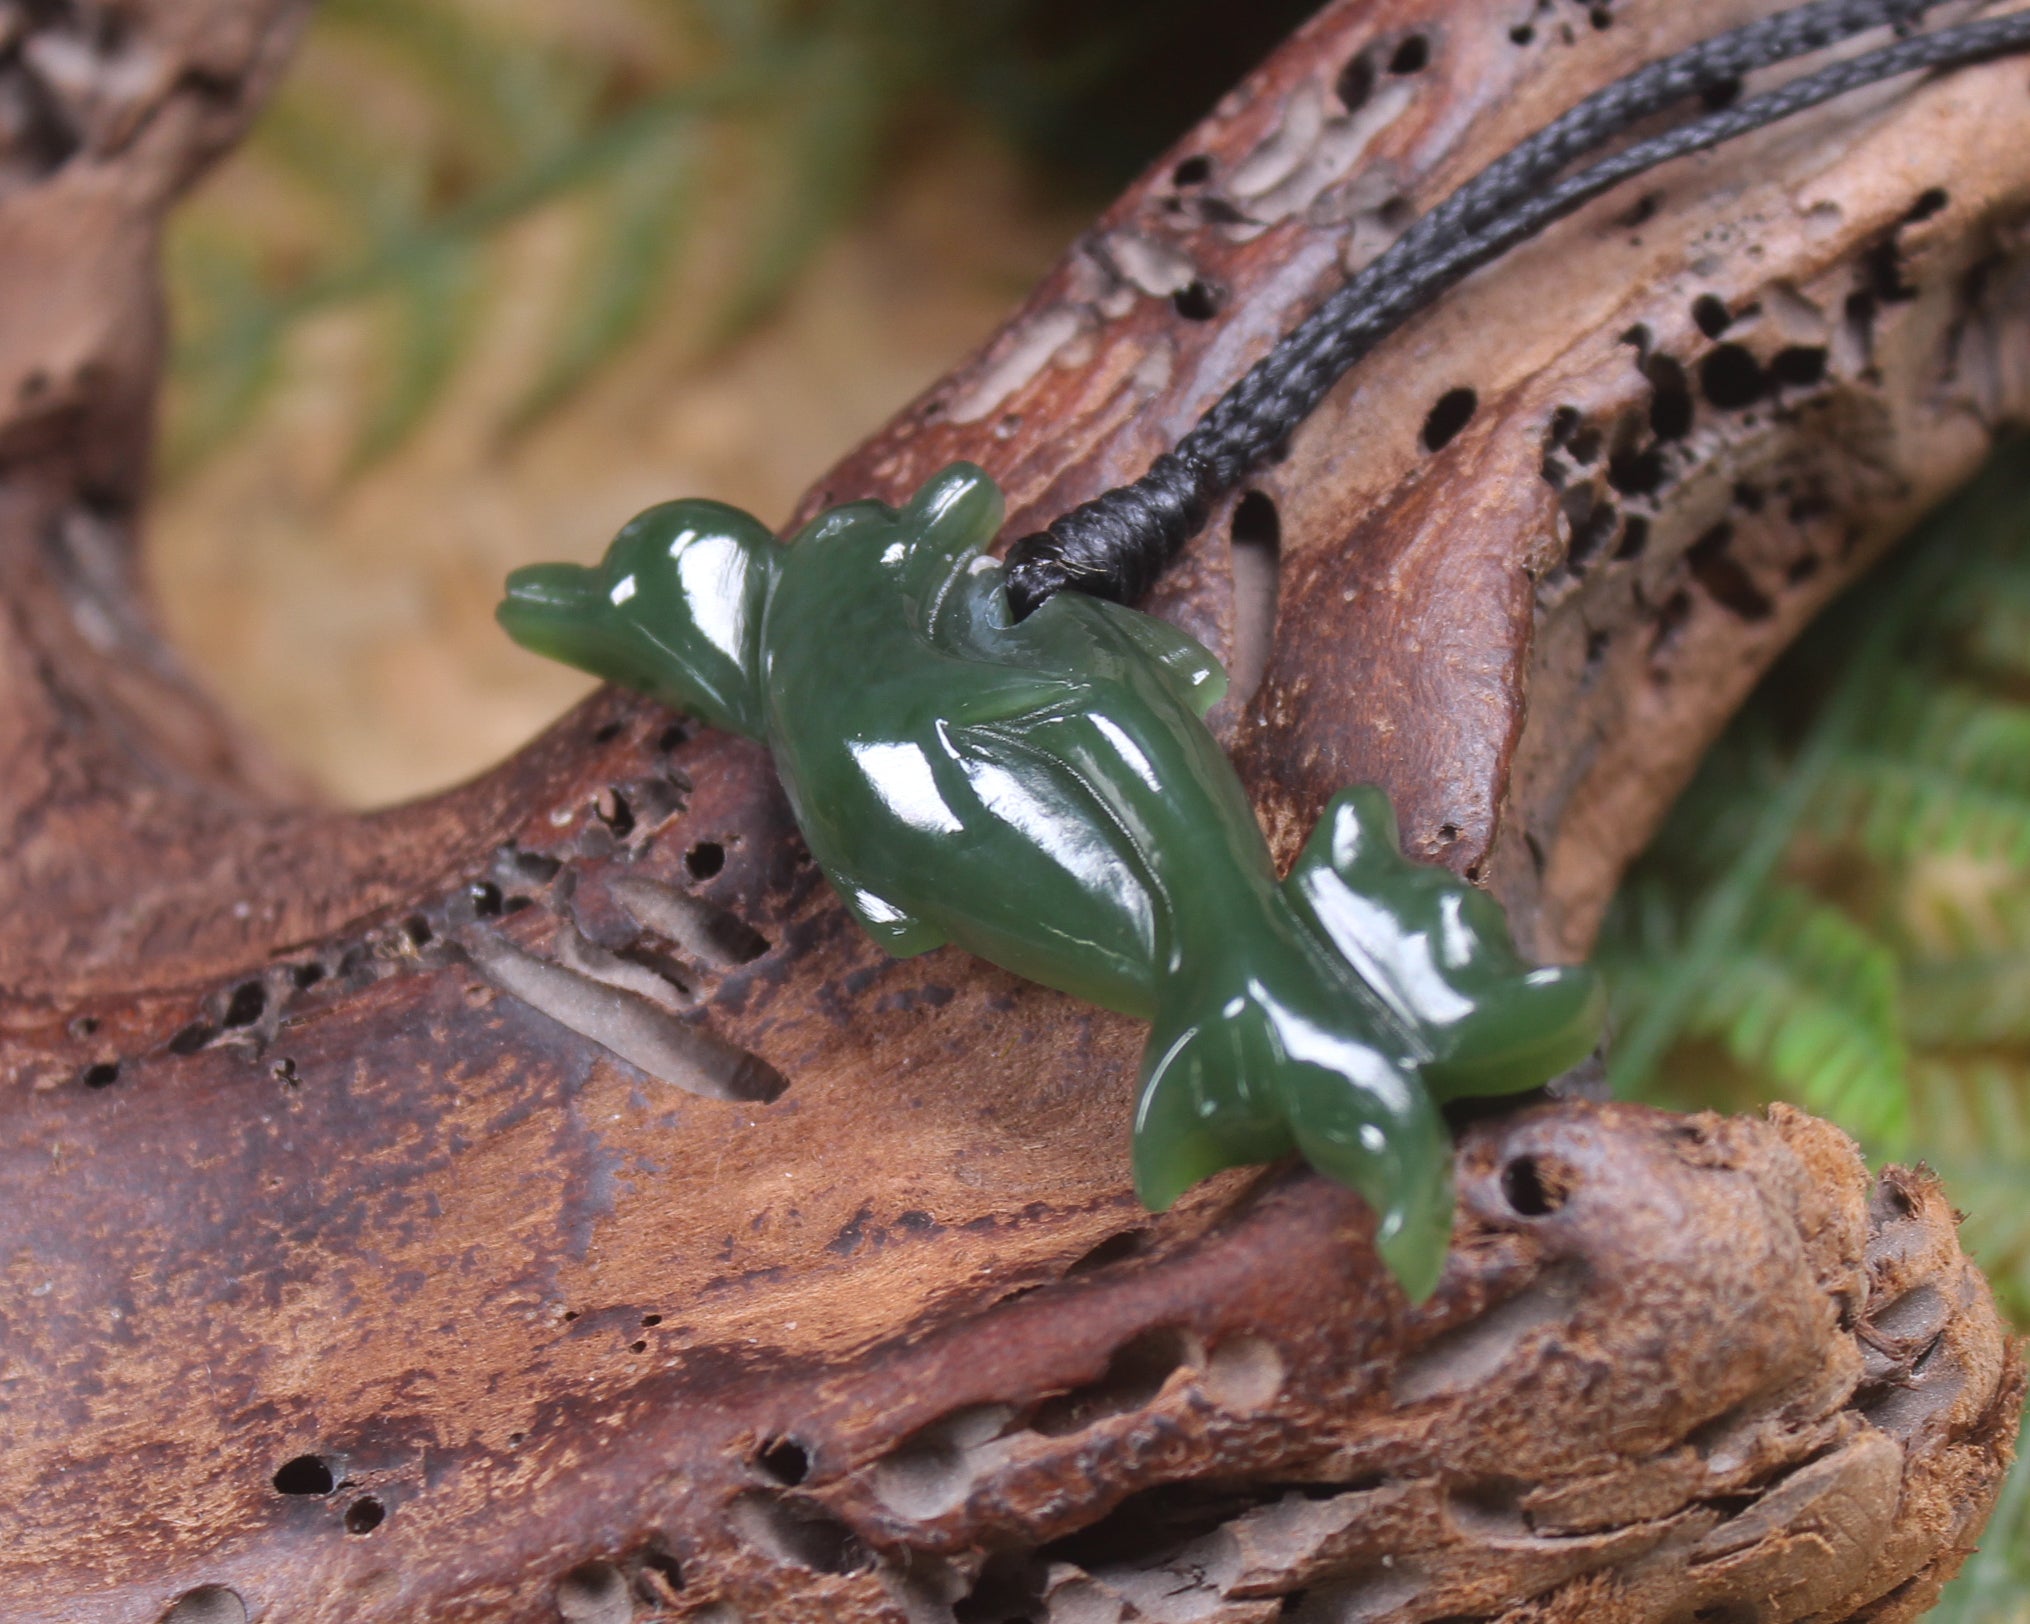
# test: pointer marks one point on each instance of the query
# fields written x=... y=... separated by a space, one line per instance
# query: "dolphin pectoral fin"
x=1356 y=836
x=1199 y=679
x=958 y=506
x=1189 y=1125
x=1232 y=1079
x=901 y=934
x=1184 y=662
x=1197 y=1112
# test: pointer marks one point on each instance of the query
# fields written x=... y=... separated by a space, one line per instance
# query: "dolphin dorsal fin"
x=948 y=524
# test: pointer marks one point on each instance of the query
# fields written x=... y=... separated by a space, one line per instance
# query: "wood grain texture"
x=384 y=1140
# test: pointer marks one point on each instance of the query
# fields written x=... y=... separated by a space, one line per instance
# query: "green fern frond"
x=1944 y=766
x=430 y=308
x=1898 y=809
x=424 y=131
x=1843 y=902
x=499 y=113
x=369 y=182
x=515 y=100
x=1956 y=725
x=625 y=266
x=228 y=317
x=1980 y=1106
x=506 y=125
x=1811 y=999
x=1969 y=1003
x=1864 y=946
x=821 y=155
x=1779 y=914
x=1719 y=906
x=1997 y=645
x=1717 y=815
x=1985 y=622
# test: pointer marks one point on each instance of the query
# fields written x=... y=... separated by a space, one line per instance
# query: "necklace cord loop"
x=1116 y=545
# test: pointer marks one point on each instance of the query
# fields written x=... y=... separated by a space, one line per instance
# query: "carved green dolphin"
x=1045 y=794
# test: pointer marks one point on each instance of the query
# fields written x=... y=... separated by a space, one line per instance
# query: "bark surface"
x=367 y=1252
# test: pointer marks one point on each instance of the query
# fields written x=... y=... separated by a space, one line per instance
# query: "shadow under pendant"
x=1044 y=793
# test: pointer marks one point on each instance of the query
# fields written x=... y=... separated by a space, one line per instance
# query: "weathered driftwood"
x=367 y=1251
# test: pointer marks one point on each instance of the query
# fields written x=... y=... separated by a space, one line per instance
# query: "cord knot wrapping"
x=1118 y=543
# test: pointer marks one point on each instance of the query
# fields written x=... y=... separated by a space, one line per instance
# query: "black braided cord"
x=1118 y=543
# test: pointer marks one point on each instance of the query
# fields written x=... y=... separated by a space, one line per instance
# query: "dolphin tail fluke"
x=1438 y=951
x=1234 y=1075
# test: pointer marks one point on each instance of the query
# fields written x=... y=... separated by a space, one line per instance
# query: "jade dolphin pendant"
x=1045 y=794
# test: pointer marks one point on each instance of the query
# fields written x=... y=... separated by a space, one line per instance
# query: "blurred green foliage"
x=707 y=147
x=1838 y=910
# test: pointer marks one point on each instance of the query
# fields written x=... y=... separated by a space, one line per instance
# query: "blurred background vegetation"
x=492 y=275
x=1837 y=912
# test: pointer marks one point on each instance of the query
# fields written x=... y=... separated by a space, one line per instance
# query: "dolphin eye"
x=623 y=589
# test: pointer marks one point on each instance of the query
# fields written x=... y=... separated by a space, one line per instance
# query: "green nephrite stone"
x=1046 y=795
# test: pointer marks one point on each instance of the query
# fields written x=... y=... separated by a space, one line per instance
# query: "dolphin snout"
x=550 y=588
x=555 y=609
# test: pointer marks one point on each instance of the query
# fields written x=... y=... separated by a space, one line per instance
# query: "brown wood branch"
x=370 y=1144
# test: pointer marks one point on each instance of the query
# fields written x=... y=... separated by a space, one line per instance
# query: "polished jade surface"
x=1046 y=795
